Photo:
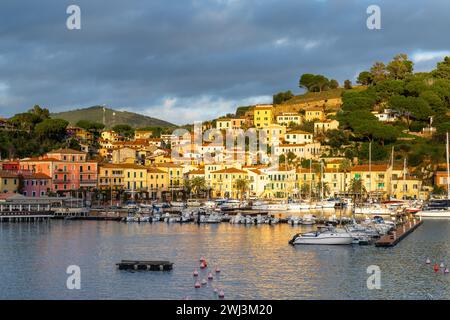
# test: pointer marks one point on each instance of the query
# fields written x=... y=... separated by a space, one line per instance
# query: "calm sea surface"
x=256 y=262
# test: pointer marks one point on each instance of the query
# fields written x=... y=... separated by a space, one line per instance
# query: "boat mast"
x=448 y=171
x=370 y=170
x=310 y=180
x=392 y=169
x=321 y=181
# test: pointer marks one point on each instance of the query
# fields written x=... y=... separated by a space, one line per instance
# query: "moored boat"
x=326 y=237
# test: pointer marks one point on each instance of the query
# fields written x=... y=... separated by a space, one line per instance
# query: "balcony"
x=84 y=182
x=59 y=181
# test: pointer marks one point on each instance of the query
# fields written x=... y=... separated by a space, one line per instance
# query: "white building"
x=298 y=137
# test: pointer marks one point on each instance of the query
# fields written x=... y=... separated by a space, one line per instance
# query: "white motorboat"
x=298 y=206
x=210 y=204
x=212 y=218
x=374 y=209
x=272 y=207
x=237 y=219
x=327 y=237
x=434 y=213
x=294 y=220
x=436 y=208
x=249 y=220
x=308 y=220
x=193 y=203
x=326 y=204
x=178 y=204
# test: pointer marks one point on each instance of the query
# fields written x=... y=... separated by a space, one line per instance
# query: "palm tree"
x=187 y=187
x=345 y=166
x=198 y=184
x=356 y=187
x=242 y=186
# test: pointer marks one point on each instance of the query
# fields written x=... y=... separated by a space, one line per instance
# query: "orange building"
x=68 y=168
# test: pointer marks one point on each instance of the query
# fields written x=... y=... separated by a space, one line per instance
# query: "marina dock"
x=145 y=265
x=398 y=234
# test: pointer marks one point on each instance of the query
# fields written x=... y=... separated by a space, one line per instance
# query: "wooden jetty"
x=398 y=234
x=145 y=265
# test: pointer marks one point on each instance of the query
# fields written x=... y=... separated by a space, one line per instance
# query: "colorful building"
x=287 y=118
x=36 y=184
x=315 y=113
x=9 y=182
x=262 y=116
x=325 y=125
x=298 y=137
x=68 y=168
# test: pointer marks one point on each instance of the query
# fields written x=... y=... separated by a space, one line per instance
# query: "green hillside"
x=111 y=117
x=317 y=96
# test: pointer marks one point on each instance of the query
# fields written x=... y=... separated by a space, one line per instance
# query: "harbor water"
x=256 y=262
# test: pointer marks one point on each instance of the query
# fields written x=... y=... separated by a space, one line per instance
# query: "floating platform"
x=398 y=234
x=145 y=265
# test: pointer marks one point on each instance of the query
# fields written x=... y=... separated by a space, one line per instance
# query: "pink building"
x=36 y=184
x=69 y=169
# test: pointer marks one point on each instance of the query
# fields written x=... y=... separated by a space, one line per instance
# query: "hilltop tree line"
x=36 y=133
x=418 y=100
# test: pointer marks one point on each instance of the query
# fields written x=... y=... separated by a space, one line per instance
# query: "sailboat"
x=439 y=208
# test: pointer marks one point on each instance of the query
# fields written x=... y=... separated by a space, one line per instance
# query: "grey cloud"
x=137 y=54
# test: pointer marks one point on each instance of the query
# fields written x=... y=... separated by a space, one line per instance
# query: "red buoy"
x=436 y=267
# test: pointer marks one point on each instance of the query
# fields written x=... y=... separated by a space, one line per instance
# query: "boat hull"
x=344 y=240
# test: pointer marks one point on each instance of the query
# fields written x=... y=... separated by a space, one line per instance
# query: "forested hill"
x=111 y=117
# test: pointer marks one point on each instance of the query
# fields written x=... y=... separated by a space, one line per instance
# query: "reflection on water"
x=256 y=262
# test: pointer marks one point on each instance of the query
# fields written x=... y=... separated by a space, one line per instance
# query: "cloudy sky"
x=186 y=60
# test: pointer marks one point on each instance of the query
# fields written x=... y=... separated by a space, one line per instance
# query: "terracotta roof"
x=298 y=132
x=36 y=175
x=262 y=107
x=258 y=172
x=199 y=171
x=39 y=160
x=374 y=167
x=168 y=165
x=8 y=174
x=154 y=170
x=66 y=150
x=230 y=170
x=292 y=145
x=123 y=166
x=314 y=109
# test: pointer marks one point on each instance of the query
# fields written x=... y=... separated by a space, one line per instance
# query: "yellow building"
x=325 y=125
x=315 y=113
x=9 y=182
x=124 y=176
x=407 y=188
x=142 y=134
x=305 y=182
x=274 y=133
x=111 y=136
x=335 y=181
x=280 y=183
x=174 y=173
x=223 y=124
x=157 y=182
x=223 y=183
x=375 y=178
x=262 y=115
x=81 y=134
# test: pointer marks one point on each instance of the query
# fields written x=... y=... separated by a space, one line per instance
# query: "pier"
x=145 y=265
x=398 y=234
x=18 y=208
